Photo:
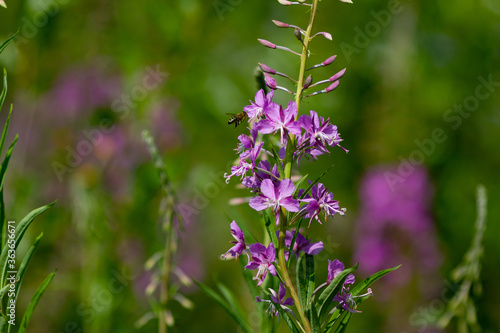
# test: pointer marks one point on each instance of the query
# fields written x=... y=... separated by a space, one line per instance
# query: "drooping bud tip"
x=329 y=60
x=277 y=23
x=267 y=43
x=266 y=68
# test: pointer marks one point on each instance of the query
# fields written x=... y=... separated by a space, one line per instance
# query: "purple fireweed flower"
x=274 y=197
x=257 y=109
x=321 y=201
x=334 y=268
x=301 y=244
x=346 y=300
x=279 y=119
x=240 y=245
x=244 y=166
x=318 y=134
x=277 y=299
x=262 y=259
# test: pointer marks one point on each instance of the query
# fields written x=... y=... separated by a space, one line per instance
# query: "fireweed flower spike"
x=266 y=169
x=262 y=259
x=277 y=299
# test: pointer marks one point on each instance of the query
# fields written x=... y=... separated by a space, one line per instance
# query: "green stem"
x=288 y=172
x=284 y=272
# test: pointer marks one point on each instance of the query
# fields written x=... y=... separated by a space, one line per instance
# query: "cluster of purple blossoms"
x=310 y=136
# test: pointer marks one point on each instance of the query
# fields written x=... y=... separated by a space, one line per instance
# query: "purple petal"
x=314 y=248
x=268 y=190
x=290 y=204
x=286 y=188
x=258 y=203
x=259 y=97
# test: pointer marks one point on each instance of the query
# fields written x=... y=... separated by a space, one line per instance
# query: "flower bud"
x=332 y=86
x=297 y=34
x=284 y=2
x=270 y=82
x=327 y=35
x=281 y=24
x=346 y=1
x=329 y=60
x=267 y=43
x=338 y=75
x=308 y=81
x=266 y=69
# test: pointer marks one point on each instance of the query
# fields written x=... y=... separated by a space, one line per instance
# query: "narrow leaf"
x=34 y=301
x=310 y=276
x=301 y=281
x=286 y=317
x=20 y=230
x=270 y=229
x=360 y=287
x=343 y=324
x=4 y=45
x=217 y=298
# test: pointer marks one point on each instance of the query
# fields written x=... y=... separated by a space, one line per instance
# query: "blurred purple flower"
x=395 y=227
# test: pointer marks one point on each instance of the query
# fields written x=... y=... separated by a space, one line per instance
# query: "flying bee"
x=237 y=118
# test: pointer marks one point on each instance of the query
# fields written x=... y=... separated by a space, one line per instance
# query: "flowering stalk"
x=279 y=134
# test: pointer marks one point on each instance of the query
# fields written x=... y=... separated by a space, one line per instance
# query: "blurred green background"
x=78 y=67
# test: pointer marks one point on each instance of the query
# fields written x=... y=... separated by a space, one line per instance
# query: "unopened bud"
x=266 y=69
x=267 y=43
x=346 y=1
x=270 y=82
x=308 y=81
x=281 y=24
x=284 y=2
x=338 y=75
x=332 y=86
x=327 y=35
x=329 y=60
x=297 y=34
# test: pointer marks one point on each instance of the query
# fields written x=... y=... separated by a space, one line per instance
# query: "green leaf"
x=310 y=276
x=312 y=315
x=360 y=287
x=20 y=230
x=270 y=229
x=24 y=265
x=297 y=184
x=301 y=282
x=326 y=297
x=4 y=45
x=5 y=163
x=288 y=320
x=34 y=301
x=217 y=298
x=4 y=89
x=233 y=302
x=343 y=324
